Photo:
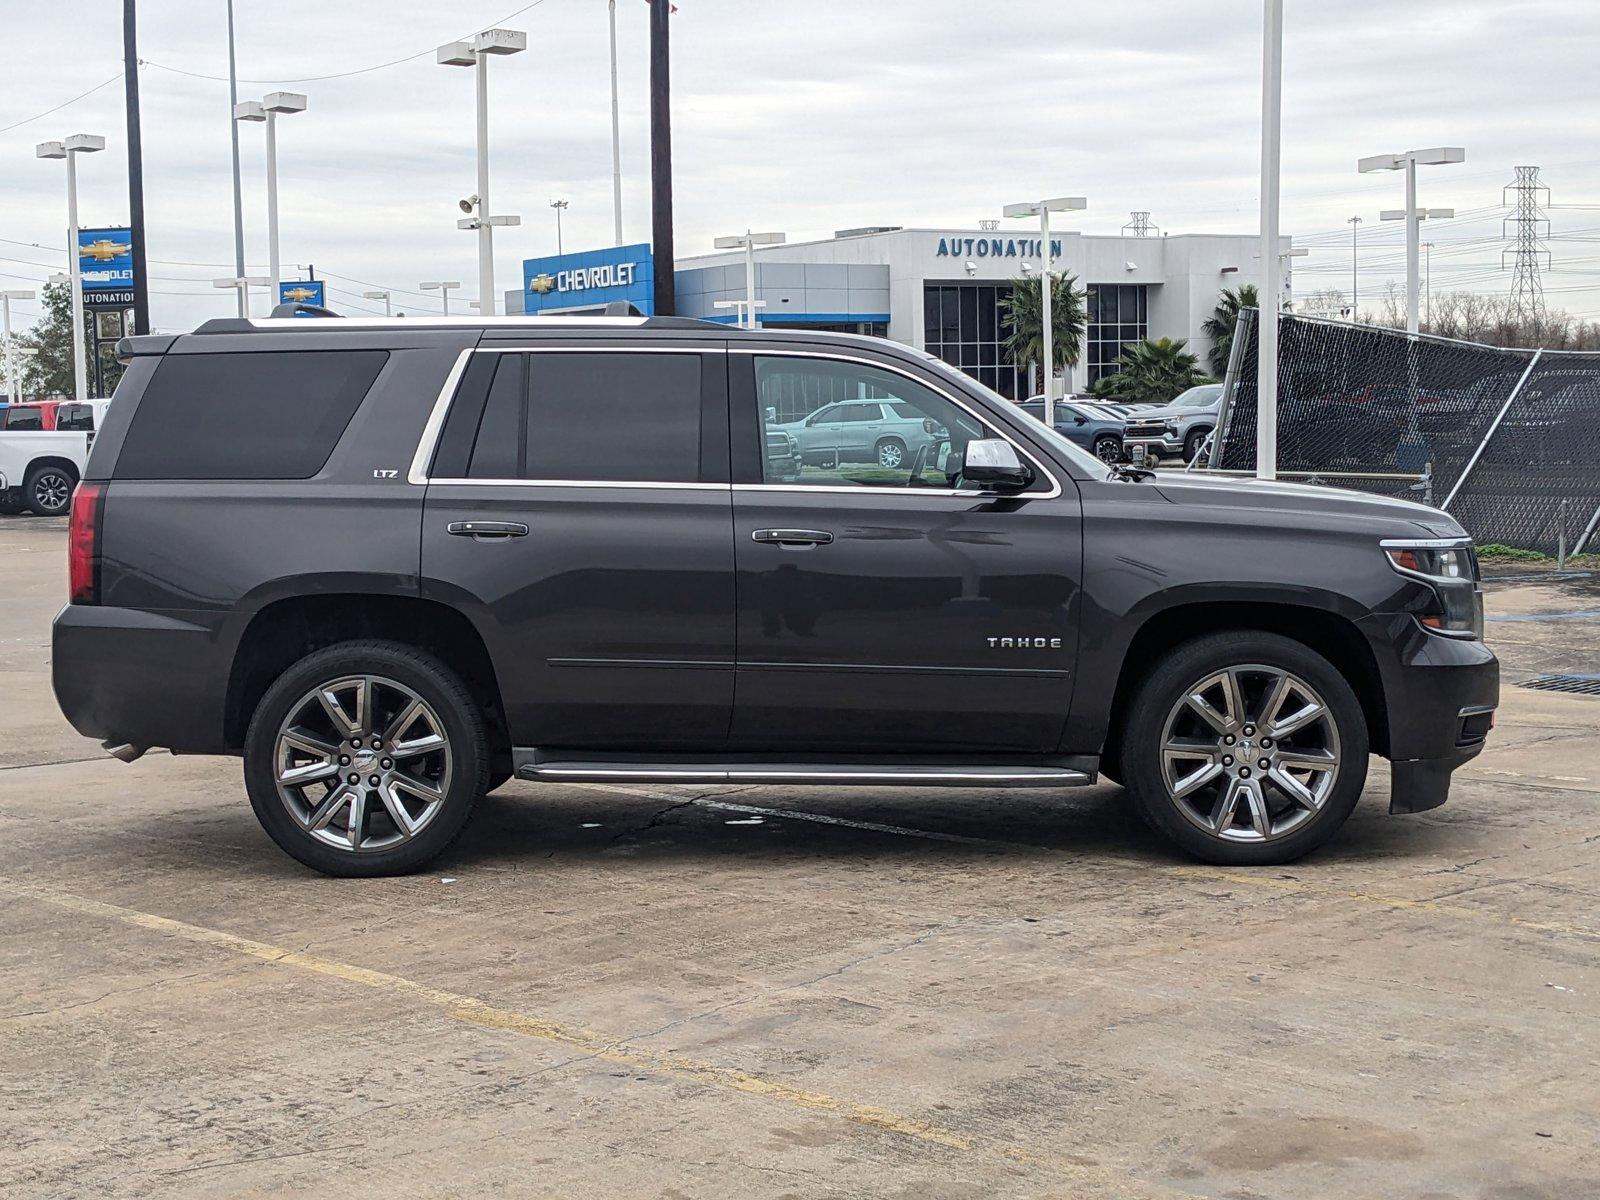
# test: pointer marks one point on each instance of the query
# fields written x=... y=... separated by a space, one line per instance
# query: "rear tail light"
x=83 y=544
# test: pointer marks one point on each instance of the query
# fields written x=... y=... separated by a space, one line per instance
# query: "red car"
x=38 y=415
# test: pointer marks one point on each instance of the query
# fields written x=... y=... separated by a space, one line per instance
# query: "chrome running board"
x=555 y=767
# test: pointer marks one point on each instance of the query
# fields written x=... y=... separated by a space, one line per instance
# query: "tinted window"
x=74 y=417
x=618 y=417
x=497 y=454
x=24 y=418
x=267 y=415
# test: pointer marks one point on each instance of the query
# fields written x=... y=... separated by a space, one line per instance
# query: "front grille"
x=1581 y=685
x=1145 y=428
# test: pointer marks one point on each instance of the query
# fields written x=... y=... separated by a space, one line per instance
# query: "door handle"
x=792 y=537
x=485 y=530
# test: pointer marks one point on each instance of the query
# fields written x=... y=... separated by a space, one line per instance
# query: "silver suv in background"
x=890 y=433
x=1177 y=429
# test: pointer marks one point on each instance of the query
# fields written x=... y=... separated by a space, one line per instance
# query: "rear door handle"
x=792 y=537
x=487 y=529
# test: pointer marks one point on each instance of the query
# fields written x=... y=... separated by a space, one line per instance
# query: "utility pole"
x=616 y=132
x=130 y=92
x=1531 y=228
x=666 y=297
x=1139 y=226
x=1355 y=269
x=1271 y=268
x=238 y=197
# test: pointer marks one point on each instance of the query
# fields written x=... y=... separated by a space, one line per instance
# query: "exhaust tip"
x=124 y=751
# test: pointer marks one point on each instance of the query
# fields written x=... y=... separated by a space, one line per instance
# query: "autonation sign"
x=994 y=247
x=589 y=279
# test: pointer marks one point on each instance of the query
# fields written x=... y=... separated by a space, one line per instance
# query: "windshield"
x=1199 y=397
x=1067 y=449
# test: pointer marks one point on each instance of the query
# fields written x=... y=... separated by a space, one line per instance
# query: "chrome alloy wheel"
x=52 y=490
x=1249 y=753
x=890 y=454
x=362 y=763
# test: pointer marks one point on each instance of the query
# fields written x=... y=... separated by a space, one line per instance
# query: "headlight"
x=1450 y=568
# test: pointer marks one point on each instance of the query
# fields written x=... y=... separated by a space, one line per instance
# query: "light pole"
x=267 y=110
x=1267 y=313
x=476 y=54
x=242 y=285
x=238 y=194
x=1042 y=209
x=387 y=298
x=616 y=131
x=1355 y=269
x=13 y=389
x=78 y=143
x=442 y=286
x=560 y=207
x=1411 y=214
x=749 y=241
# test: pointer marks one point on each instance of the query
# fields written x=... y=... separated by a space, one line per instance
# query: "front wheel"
x=1245 y=749
x=1194 y=443
x=1108 y=449
x=366 y=758
x=48 y=490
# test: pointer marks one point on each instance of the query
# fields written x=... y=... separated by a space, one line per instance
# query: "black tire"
x=1108 y=448
x=889 y=448
x=48 y=490
x=1192 y=443
x=463 y=726
x=1162 y=689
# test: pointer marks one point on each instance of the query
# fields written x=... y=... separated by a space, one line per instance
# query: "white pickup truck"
x=40 y=467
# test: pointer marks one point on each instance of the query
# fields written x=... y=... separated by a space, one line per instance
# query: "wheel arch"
x=284 y=631
x=52 y=460
x=1330 y=634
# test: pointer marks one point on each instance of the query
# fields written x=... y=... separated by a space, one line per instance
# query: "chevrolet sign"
x=584 y=279
x=589 y=280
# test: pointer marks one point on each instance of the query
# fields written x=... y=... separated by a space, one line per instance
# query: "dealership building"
x=936 y=289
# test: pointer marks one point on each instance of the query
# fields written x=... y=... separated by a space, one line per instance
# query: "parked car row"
x=43 y=448
x=1111 y=432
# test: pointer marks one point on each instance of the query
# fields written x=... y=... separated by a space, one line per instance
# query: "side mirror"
x=993 y=462
x=1080 y=420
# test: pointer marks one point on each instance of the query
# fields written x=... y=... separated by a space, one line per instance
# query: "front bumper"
x=1152 y=445
x=1440 y=694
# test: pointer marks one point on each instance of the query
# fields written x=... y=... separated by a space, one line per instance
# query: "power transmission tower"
x=1140 y=225
x=1527 y=228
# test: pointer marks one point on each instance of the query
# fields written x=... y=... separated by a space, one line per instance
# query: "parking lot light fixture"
x=1042 y=209
x=386 y=297
x=748 y=241
x=1412 y=215
x=242 y=284
x=442 y=286
x=267 y=111
x=476 y=54
x=13 y=389
x=69 y=149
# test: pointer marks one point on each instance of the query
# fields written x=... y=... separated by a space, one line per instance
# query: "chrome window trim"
x=418 y=474
x=1055 y=484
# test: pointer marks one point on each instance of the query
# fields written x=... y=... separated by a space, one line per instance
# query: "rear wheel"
x=366 y=758
x=1245 y=748
x=890 y=453
x=48 y=490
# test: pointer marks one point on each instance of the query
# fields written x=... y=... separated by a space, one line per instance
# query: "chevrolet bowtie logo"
x=542 y=284
x=298 y=294
x=103 y=250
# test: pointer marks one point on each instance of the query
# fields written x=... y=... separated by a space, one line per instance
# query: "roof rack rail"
x=682 y=323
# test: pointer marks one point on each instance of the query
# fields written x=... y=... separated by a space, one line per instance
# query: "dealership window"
x=964 y=324
x=1119 y=313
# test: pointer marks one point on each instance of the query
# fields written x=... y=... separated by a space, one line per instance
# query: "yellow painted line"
x=596 y=1044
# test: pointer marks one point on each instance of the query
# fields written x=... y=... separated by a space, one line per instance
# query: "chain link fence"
x=1507 y=441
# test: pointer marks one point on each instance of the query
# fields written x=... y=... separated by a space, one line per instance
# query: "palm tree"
x=1151 y=372
x=1219 y=326
x=1068 y=315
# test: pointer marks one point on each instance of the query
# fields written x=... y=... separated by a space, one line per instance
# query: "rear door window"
x=74 y=418
x=258 y=415
x=604 y=416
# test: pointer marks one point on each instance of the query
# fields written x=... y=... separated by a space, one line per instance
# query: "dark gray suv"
x=393 y=564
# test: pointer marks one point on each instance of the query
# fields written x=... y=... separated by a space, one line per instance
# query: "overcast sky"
x=805 y=116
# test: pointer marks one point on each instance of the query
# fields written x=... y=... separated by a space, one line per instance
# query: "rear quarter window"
x=258 y=415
